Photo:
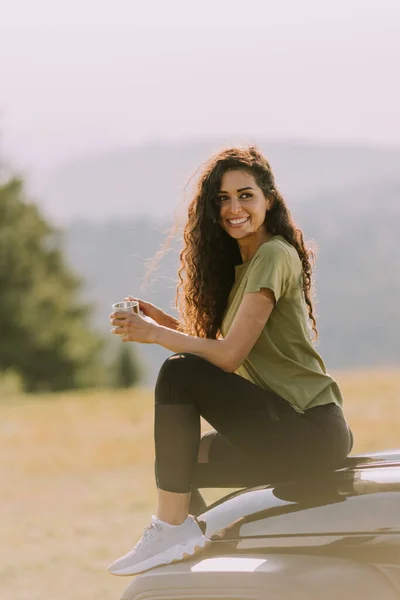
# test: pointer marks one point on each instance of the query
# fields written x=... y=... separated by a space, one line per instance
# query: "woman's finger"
x=133 y=299
x=115 y=320
x=121 y=314
x=118 y=322
x=119 y=331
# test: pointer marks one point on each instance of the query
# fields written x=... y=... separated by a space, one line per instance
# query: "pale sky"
x=81 y=75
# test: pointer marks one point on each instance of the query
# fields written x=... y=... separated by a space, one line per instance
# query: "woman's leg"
x=220 y=464
x=263 y=428
x=215 y=456
x=258 y=425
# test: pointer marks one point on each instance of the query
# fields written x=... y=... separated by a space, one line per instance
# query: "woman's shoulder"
x=279 y=253
x=276 y=247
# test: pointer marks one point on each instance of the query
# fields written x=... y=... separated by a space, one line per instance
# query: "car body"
x=331 y=537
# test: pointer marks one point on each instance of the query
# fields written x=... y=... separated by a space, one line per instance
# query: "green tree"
x=45 y=332
x=127 y=370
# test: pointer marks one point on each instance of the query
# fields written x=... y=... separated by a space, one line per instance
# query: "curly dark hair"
x=209 y=254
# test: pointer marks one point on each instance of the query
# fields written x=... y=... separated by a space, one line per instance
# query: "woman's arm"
x=157 y=314
x=228 y=353
x=169 y=322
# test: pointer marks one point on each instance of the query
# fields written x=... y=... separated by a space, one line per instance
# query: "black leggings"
x=259 y=437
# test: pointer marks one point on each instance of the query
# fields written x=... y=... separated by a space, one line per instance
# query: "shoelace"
x=148 y=533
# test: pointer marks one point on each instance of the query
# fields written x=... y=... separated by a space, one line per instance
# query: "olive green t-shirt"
x=283 y=359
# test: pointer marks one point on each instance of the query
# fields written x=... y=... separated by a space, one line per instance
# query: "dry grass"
x=77 y=481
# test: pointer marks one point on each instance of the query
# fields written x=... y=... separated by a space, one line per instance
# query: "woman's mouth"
x=237 y=222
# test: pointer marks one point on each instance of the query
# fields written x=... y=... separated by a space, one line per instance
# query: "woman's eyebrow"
x=239 y=190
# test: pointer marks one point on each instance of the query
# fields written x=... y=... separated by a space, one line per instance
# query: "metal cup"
x=127 y=306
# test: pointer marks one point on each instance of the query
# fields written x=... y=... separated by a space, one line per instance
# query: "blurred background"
x=107 y=111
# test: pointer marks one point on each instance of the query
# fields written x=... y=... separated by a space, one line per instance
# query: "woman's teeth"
x=237 y=221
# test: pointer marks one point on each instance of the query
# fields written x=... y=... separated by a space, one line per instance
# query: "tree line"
x=47 y=335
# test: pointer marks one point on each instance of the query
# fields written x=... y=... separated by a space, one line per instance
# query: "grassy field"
x=77 y=481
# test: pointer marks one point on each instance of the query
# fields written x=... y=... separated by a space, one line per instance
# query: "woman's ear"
x=271 y=200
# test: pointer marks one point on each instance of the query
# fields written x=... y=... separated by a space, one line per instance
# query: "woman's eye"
x=245 y=196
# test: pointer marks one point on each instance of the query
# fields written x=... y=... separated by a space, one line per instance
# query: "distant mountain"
x=358 y=274
x=149 y=180
x=356 y=228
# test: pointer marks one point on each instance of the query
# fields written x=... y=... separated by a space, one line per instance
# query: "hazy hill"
x=149 y=180
x=346 y=198
x=358 y=270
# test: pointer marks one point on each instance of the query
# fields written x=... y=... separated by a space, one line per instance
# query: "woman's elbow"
x=230 y=364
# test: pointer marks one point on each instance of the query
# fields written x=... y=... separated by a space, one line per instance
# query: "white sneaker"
x=161 y=544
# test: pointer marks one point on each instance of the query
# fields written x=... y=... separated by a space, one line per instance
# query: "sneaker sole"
x=172 y=555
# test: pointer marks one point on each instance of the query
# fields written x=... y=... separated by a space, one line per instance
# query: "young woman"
x=243 y=357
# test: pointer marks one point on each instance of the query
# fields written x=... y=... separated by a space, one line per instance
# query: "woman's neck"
x=249 y=245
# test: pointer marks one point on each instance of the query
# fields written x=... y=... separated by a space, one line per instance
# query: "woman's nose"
x=235 y=205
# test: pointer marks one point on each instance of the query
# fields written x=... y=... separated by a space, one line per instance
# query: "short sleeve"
x=271 y=268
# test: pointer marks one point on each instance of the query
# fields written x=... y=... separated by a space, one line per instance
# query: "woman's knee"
x=174 y=374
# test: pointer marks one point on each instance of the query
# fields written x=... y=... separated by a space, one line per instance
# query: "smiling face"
x=242 y=207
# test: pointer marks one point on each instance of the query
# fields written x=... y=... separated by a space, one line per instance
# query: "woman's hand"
x=155 y=313
x=133 y=327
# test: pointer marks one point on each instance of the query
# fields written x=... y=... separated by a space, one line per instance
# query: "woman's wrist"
x=160 y=333
x=169 y=322
x=154 y=336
